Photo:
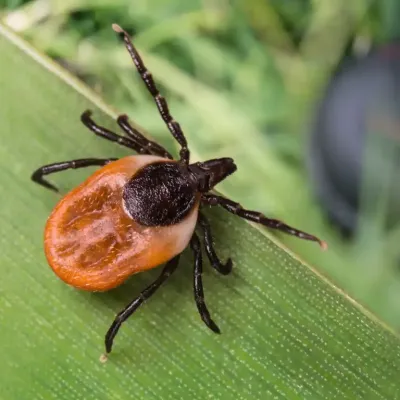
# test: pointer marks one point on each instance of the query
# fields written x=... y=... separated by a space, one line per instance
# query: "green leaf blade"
x=287 y=332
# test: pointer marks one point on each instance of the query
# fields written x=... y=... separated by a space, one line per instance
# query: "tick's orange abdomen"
x=93 y=244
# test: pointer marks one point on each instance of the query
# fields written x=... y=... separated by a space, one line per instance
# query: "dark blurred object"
x=354 y=148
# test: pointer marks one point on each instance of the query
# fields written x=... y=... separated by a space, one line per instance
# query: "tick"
x=140 y=211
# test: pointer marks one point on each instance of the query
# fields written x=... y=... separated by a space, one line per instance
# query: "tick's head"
x=209 y=173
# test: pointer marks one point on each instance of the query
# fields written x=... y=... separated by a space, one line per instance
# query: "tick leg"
x=149 y=146
x=236 y=208
x=37 y=176
x=215 y=262
x=160 y=101
x=112 y=136
x=169 y=268
x=198 y=285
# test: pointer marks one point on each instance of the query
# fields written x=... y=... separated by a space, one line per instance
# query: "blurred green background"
x=243 y=78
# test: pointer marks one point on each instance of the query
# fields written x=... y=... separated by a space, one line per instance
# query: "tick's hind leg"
x=198 y=285
x=148 y=146
x=215 y=262
x=236 y=208
x=37 y=176
x=169 y=268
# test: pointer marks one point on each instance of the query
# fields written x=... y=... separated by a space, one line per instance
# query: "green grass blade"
x=286 y=331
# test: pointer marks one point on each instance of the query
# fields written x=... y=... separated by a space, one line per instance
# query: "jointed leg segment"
x=215 y=262
x=37 y=176
x=160 y=101
x=198 y=284
x=236 y=208
x=148 y=146
x=136 y=141
x=107 y=134
x=169 y=268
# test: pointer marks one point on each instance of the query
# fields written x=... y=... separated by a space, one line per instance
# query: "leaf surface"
x=287 y=332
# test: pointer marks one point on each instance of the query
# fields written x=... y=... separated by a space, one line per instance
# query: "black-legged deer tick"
x=140 y=211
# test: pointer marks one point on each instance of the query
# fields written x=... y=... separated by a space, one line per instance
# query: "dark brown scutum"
x=160 y=194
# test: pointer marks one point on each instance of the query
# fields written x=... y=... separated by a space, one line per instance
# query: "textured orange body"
x=93 y=244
